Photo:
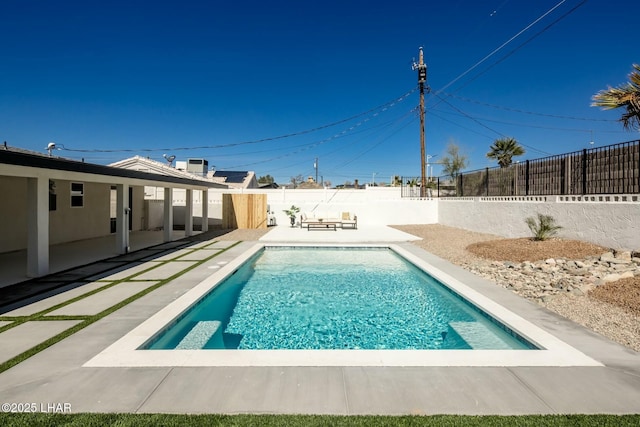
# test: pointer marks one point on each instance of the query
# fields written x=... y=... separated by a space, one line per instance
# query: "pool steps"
x=200 y=335
x=477 y=336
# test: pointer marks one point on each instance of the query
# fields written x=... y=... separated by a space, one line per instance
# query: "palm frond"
x=625 y=96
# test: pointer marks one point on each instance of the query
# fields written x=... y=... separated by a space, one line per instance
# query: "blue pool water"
x=333 y=298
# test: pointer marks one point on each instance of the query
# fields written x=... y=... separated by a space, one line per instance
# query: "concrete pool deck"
x=57 y=375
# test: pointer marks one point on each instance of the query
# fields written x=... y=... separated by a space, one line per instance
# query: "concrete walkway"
x=73 y=254
x=56 y=374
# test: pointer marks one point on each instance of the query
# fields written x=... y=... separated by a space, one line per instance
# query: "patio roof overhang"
x=15 y=163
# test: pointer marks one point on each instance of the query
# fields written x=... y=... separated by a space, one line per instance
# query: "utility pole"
x=422 y=78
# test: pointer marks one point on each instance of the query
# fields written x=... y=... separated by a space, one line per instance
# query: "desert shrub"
x=544 y=228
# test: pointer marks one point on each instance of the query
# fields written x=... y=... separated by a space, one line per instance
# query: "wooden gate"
x=244 y=211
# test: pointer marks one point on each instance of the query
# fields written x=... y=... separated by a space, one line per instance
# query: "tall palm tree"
x=627 y=96
x=503 y=150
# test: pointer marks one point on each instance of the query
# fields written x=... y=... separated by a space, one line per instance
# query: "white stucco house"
x=184 y=169
x=51 y=200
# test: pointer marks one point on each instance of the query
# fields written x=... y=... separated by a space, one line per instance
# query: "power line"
x=432 y=113
x=555 y=116
x=535 y=126
x=382 y=108
x=313 y=145
x=383 y=139
x=500 y=47
x=487 y=127
x=525 y=42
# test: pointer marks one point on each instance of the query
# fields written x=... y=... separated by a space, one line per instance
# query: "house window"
x=77 y=194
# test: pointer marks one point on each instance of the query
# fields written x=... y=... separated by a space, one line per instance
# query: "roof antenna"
x=169 y=159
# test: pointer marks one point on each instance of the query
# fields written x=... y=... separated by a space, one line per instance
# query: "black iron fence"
x=613 y=169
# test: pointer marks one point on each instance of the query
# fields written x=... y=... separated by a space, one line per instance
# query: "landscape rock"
x=611 y=277
x=541 y=280
x=623 y=255
x=607 y=257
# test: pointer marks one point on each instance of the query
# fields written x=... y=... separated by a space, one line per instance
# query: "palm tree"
x=503 y=150
x=627 y=96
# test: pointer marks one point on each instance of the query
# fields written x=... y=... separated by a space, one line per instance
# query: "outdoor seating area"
x=330 y=220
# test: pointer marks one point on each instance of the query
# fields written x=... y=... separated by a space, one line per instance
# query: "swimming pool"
x=128 y=351
x=319 y=298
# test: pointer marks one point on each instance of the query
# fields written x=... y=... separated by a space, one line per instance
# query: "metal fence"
x=613 y=169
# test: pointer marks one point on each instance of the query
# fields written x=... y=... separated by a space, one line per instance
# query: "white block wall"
x=373 y=206
x=609 y=221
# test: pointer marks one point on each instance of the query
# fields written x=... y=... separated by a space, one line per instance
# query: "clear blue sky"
x=225 y=80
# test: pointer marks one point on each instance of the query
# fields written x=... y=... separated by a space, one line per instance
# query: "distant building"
x=191 y=169
x=145 y=164
x=269 y=185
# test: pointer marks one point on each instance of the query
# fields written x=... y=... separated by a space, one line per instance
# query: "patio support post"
x=188 y=213
x=167 y=220
x=123 y=211
x=37 y=227
x=205 y=211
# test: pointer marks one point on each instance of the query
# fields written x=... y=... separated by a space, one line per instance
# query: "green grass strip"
x=19 y=320
x=169 y=420
x=88 y=320
x=14 y=318
x=62 y=317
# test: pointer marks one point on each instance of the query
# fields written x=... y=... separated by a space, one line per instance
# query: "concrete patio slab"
x=439 y=391
x=91 y=390
x=84 y=252
x=21 y=338
x=199 y=255
x=363 y=234
x=173 y=255
x=124 y=272
x=221 y=244
x=102 y=300
x=279 y=390
x=598 y=390
x=71 y=291
x=84 y=271
x=200 y=245
x=166 y=270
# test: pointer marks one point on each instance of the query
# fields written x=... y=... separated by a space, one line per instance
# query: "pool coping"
x=124 y=352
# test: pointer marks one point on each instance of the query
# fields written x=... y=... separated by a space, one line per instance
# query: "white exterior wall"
x=611 y=221
x=13 y=220
x=68 y=223
x=373 y=206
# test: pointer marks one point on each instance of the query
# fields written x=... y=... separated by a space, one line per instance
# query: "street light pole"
x=429 y=157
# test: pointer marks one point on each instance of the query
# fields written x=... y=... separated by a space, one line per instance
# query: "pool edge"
x=124 y=352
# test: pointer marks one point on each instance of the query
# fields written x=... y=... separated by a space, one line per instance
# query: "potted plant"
x=291 y=213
